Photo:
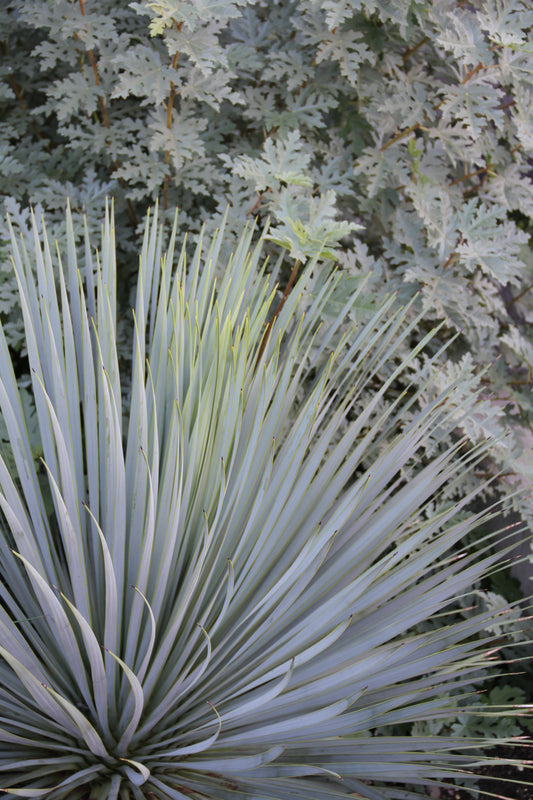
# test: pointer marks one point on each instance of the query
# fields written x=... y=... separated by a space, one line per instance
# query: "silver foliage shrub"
x=410 y=120
x=204 y=592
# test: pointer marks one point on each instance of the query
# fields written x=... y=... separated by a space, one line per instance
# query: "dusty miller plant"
x=202 y=591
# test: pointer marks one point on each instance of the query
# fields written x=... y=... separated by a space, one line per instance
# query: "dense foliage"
x=411 y=119
x=393 y=137
x=205 y=593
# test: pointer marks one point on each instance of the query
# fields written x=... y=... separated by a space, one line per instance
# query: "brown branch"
x=101 y=98
x=170 y=106
x=451 y=258
x=467 y=77
x=278 y=310
x=172 y=92
x=408 y=53
x=483 y=178
x=255 y=205
x=105 y=119
x=400 y=135
x=473 y=189
x=418 y=126
x=473 y=72
x=485 y=170
x=519 y=296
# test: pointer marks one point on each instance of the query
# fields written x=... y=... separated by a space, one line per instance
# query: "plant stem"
x=408 y=53
x=255 y=205
x=105 y=119
x=472 y=175
x=518 y=296
x=418 y=126
x=101 y=98
x=400 y=135
x=473 y=72
x=449 y=260
x=170 y=106
x=278 y=310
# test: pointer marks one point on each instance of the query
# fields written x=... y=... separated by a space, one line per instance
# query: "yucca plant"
x=203 y=592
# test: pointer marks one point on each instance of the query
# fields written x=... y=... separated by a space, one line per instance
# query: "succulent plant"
x=204 y=594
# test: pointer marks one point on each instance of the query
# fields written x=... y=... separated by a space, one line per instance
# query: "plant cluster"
x=391 y=137
x=401 y=128
x=206 y=593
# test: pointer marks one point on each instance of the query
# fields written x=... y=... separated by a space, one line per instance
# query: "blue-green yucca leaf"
x=223 y=599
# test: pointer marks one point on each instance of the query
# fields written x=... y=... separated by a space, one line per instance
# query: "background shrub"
x=412 y=120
